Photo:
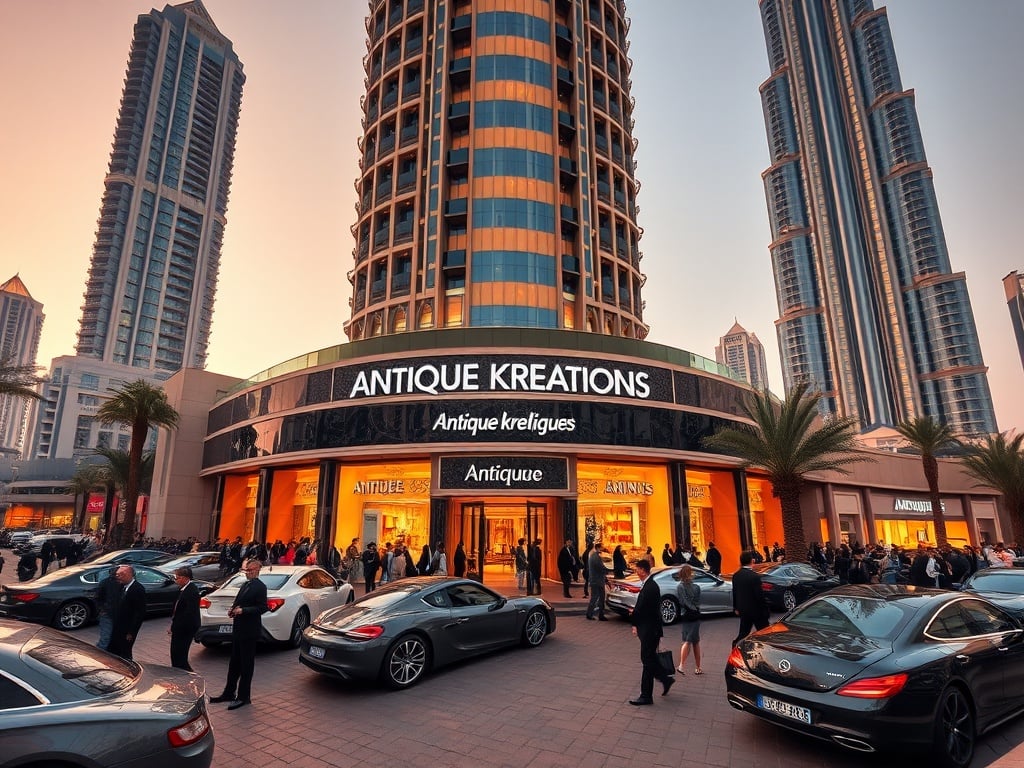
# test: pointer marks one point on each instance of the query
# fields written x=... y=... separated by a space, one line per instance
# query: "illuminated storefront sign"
x=519 y=473
x=914 y=506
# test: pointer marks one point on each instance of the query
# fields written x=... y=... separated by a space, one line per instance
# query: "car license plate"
x=226 y=629
x=784 y=708
x=317 y=652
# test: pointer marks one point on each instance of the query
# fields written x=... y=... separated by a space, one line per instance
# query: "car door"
x=161 y=589
x=480 y=620
x=715 y=594
x=1005 y=648
x=319 y=591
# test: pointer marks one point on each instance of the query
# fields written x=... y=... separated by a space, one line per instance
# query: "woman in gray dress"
x=688 y=594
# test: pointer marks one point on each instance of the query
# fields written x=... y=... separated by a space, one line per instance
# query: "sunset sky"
x=702 y=149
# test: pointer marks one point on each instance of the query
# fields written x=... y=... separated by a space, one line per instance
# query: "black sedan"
x=59 y=697
x=786 y=585
x=400 y=632
x=153 y=557
x=1003 y=586
x=884 y=667
x=67 y=598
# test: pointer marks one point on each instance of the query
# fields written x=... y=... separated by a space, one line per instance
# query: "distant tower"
x=21 y=322
x=870 y=311
x=153 y=276
x=496 y=182
x=1013 y=286
x=744 y=354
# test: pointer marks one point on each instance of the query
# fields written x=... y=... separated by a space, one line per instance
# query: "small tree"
x=929 y=437
x=999 y=463
x=19 y=380
x=143 y=406
x=784 y=443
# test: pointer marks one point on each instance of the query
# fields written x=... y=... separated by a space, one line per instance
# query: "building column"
x=259 y=523
x=218 y=506
x=570 y=522
x=739 y=477
x=831 y=516
x=680 y=501
x=326 y=504
x=869 y=516
x=972 y=523
x=438 y=520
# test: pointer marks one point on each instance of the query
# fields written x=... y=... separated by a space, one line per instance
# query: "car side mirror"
x=498 y=605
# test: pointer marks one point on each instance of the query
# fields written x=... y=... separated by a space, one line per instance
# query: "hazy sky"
x=702 y=149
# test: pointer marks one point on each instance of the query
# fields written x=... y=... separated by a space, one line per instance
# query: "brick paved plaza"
x=563 y=704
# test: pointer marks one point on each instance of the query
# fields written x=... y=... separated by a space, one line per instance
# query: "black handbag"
x=665 y=662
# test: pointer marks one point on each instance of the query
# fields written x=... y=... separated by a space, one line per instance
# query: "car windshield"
x=272 y=580
x=94 y=671
x=995 y=581
x=847 y=615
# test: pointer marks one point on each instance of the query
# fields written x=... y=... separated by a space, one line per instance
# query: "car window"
x=14 y=696
x=858 y=616
x=317 y=580
x=469 y=594
x=984 y=619
x=950 y=623
x=997 y=581
x=700 y=577
x=96 y=672
x=146 y=576
x=436 y=599
x=803 y=572
x=210 y=560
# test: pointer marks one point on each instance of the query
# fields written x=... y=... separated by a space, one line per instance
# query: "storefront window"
x=238 y=510
x=385 y=503
x=617 y=506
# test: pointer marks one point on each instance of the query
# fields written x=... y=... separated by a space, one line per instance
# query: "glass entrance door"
x=474 y=537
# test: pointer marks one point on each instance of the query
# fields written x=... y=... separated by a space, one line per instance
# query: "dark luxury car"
x=152 y=557
x=401 y=631
x=67 y=598
x=205 y=565
x=786 y=585
x=59 y=697
x=884 y=667
x=715 y=593
x=1003 y=586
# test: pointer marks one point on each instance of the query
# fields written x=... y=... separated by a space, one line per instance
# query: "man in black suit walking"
x=185 y=620
x=246 y=614
x=646 y=621
x=748 y=598
x=128 y=616
x=568 y=563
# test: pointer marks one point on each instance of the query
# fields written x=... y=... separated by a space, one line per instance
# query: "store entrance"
x=490 y=531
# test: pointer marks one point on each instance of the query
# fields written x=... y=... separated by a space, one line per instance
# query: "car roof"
x=14 y=634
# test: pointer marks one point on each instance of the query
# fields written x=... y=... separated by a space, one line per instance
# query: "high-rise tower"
x=869 y=309
x=1013 y=287
x=497 y=179
x=743 y=352
x=149 y=297
x=21 y=322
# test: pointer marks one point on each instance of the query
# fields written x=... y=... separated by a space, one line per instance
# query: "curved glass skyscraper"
x=870 y=310
x=497 y=179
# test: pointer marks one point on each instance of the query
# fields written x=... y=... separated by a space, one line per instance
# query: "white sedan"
x=295 y=594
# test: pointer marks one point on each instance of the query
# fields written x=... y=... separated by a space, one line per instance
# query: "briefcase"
x=665 y=662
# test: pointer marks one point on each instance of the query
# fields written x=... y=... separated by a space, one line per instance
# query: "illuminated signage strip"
x=916 y=507
x=503 y=473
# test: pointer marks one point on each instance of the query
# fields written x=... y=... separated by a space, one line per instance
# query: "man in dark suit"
x=748 y=597
x=568 y=563
x=646 y=621
x=130 y=611
x=246 y=614
x=535 y=558
x=185 y=620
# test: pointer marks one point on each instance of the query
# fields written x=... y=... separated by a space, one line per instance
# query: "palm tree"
x=783 y=442
x=143 y=406
x=999 y=463
x=18 y=380
x=929 y=437
x=88 y=478
x=116 y=472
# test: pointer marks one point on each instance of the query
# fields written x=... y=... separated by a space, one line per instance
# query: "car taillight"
x=367 y=632
x=273 y=603
x=189 y=733
x=766 y=587
x=875 y=687
x=204 y=603
x=23 y=597
x=628 y=588
x=736 y=659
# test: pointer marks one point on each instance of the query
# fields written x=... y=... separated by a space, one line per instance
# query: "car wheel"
x=535 y=629
x=74 y=614
x=300 y=623
x=405 y=662
x=669 y=610
x=954 y=730
x=789 y=600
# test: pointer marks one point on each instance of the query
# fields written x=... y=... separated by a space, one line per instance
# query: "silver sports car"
x=715 y=593
x=400 y=632
x=67 y=703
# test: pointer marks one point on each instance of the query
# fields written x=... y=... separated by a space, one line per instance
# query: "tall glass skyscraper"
x=149 y=297
x=743 y=352
x=497 y=176
x=21 y=323
x=870 y=311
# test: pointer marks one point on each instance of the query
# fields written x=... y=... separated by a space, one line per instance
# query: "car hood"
x=809 y=659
